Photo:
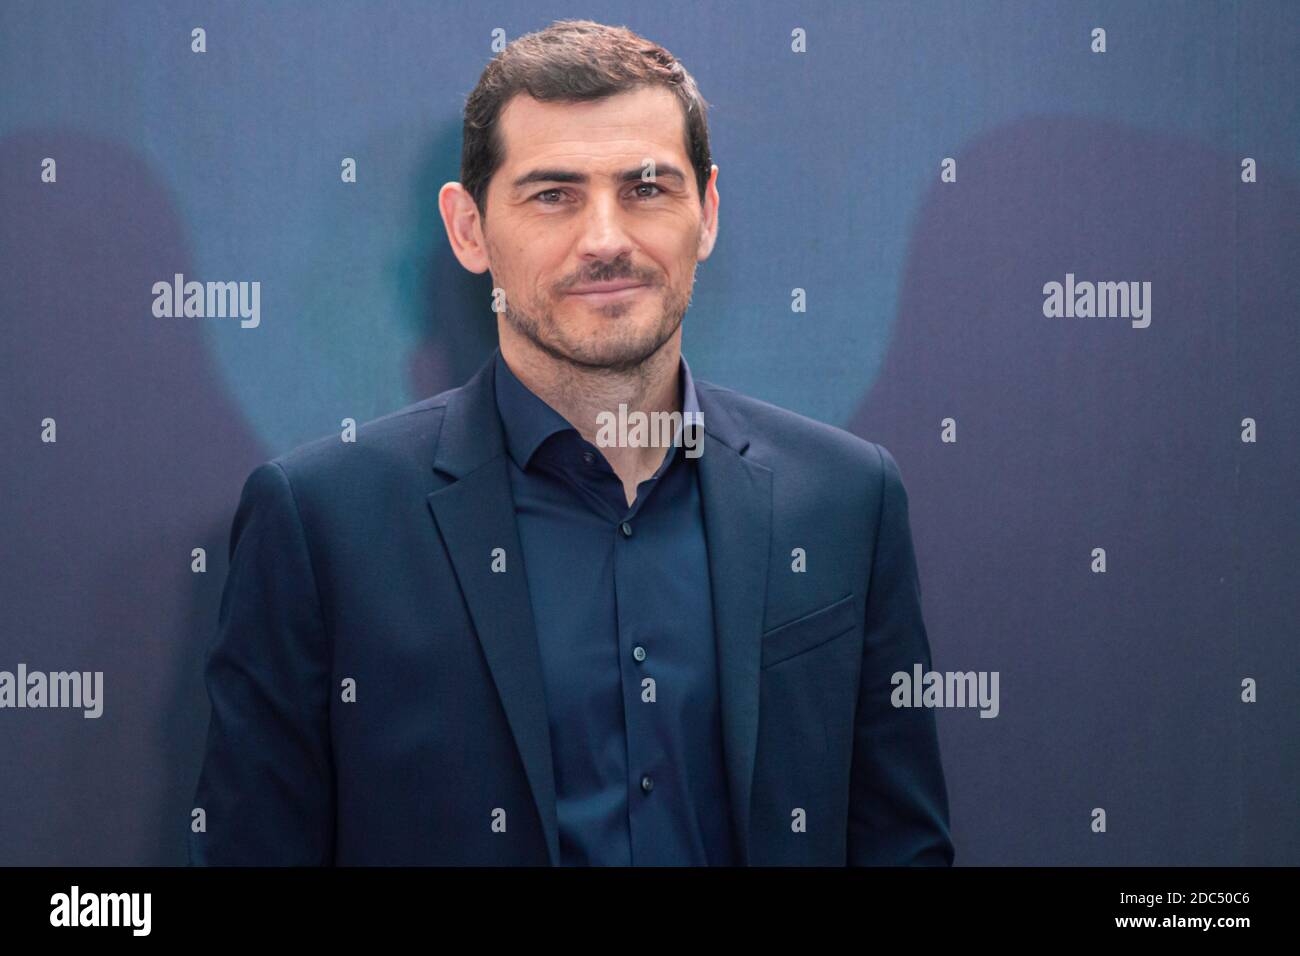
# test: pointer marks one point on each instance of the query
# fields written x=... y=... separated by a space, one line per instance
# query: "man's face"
x=597 y=263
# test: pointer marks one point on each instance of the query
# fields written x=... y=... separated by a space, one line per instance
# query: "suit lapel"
x=737 y=502
x=476 y=515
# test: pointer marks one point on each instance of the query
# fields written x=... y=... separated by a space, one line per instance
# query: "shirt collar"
x=528 y=420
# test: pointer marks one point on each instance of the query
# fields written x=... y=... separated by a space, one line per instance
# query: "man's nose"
x=604 y=228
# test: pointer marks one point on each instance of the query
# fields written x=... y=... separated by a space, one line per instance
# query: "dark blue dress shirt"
x=623 y=608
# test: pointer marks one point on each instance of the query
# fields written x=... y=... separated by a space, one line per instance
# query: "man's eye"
x=559 y=194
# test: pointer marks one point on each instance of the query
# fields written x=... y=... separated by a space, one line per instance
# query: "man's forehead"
x=626 y=121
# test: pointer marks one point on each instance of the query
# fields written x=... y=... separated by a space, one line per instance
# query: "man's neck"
x=582 y=394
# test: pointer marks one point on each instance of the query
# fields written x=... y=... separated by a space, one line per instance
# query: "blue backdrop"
x=1119 y=690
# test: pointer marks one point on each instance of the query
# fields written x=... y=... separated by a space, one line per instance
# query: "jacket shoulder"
x=777 y=435
x=396 y=440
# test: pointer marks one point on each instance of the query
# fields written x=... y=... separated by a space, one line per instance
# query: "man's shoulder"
x=393 y=442
x=779 y=436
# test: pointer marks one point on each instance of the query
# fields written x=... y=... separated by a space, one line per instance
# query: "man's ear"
x=464 y=227
x=709 y=227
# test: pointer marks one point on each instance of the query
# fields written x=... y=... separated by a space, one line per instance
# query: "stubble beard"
x=621 y=347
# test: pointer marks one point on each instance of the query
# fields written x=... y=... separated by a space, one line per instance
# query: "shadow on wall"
x=451 y=305
x=98 y=527
x=1076 y=433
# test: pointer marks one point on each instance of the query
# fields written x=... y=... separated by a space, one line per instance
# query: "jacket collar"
x=527 y=420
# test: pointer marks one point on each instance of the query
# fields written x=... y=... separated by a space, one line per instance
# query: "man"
x=497 y=630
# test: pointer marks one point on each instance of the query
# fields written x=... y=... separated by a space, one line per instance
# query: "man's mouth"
x=596 y=293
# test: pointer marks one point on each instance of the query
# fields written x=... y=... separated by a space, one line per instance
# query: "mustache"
x=608 y=273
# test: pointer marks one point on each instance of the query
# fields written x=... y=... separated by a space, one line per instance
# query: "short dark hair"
x=574 y=60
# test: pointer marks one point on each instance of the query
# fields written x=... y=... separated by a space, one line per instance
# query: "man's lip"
x=610 y=287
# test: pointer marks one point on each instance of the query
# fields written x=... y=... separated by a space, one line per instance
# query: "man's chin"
x=613 y=355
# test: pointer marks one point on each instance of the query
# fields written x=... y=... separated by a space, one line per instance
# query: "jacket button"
x=647 y=784
x=627 y=529
x=638 y=653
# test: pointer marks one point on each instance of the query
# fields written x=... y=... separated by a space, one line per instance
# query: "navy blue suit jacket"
x=376 y=690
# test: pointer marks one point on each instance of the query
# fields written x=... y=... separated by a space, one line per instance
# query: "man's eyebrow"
x=570 y=176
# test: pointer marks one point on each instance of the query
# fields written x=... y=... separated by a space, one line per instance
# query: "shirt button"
x=647 y=784
x=627 y=529
x=588 y=457
x=638 y=652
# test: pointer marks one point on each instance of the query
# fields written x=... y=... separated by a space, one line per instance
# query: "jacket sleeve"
x=266 y=787
x=898 y=801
